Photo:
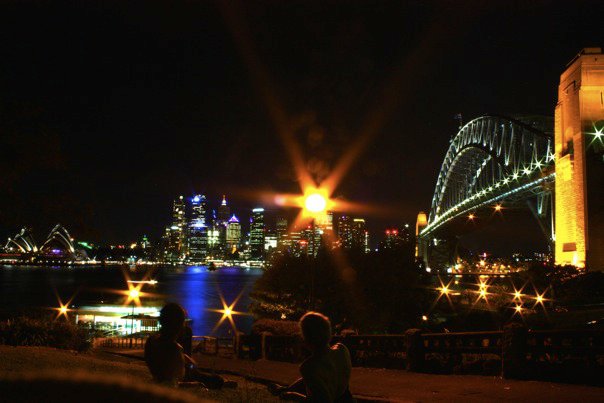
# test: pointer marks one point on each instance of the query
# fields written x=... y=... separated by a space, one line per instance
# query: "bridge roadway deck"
x=388 y=385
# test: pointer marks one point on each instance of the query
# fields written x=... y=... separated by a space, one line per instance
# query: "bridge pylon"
x=579 y=153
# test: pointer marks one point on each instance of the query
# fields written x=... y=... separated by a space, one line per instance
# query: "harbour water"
x=196 y=288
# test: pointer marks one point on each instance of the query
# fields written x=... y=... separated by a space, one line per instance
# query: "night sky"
x=108 y=110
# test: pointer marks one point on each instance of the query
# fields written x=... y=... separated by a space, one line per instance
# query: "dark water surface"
x=195 y=288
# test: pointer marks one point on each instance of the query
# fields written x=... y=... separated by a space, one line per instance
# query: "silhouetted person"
x=168 y=353
x=163 y=354
x=326 y=373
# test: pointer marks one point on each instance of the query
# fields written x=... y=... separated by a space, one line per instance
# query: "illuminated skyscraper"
x=345 y=239
x=257 y=233
x=282 y=235
x=177 y=232
x=223 y=213
x=233 y=234
x=360 y=235
x=198 y=231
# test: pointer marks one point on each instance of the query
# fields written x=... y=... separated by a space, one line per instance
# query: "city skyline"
x=115 y=136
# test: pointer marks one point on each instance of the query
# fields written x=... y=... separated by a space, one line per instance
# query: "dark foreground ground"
x=27 y=360
x=367 y=384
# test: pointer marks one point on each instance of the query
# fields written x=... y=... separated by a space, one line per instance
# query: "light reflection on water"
x=194 y=287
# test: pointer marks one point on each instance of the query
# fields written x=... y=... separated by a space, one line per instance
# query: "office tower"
x=345 y=239
x=177 y=232
x=199 y=207
x=282 y=235
x=257 y=233
x=358 y=234
x=393 y=239
x=312 y=236
x=198 y=231
x=325 y=221
x=233 y=234
x=223 y=213
x=270 y=240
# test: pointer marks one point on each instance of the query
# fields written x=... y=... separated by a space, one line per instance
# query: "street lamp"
x=133 y=295
x=315 y=204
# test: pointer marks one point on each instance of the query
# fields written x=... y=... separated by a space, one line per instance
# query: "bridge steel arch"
x=492 y=158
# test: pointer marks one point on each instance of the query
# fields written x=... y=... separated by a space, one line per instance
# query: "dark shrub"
x=276 y=327
x=23 y=331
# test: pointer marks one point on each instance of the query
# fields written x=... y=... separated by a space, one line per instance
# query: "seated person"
x=170 y=363
x=163 y=354
x=326 y=373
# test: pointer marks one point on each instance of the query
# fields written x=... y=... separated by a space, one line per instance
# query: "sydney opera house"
x=58 y=248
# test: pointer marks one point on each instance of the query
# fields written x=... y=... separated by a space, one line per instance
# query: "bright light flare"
x=315 y=203
x=498 y=207
x=63 y=308
x=471 y=216
x=518 y=309
x=227 y=311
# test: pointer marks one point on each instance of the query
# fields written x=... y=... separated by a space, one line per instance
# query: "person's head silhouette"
x=316 y=330
x=172 y=320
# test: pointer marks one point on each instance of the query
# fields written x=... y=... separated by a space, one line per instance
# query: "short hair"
x=172 y=318
x=316 y=329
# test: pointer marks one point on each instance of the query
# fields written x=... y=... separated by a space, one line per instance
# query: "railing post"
x=264 y=346
x=237 y=349
x=416 y=351
x=513 y=356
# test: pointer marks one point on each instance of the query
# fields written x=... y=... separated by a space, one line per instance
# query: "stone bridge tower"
x=579 y=139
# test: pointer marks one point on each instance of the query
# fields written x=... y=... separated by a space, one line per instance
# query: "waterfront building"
x=270 y=241
x=223 y=213
x=257 y=233
x=282 y=235
x=214 y=241
x=233 y=234
x=176 y=234
x=394 y=239
x=199 y=207
x=198 y=231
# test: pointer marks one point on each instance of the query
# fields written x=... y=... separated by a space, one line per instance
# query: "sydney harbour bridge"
x=553 y=166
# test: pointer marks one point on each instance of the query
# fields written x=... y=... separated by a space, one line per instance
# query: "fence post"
x=416 y=352
x=513 y=356
x=264 y=345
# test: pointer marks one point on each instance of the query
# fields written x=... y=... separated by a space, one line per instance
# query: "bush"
x=24 y=331
x=276 y=327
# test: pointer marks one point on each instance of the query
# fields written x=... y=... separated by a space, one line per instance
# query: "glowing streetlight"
x=517 y=295
x=133 y=293
x=63 y=310
x=539 y=299
x=471 y=216
x=518 y=309
x=498 y=207
x=424 y=318
x=444 y=290
x=227 y=311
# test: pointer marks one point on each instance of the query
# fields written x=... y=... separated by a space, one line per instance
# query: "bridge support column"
x=579 y=151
